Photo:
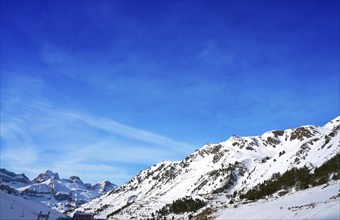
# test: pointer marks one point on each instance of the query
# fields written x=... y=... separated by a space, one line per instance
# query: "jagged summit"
x=45 y=176
x=103 y=187
x=48 y=188
x=233 y=166
x=7 y=176
x=76 y=179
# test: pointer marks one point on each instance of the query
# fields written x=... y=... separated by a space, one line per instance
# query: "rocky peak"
x=76 y=179
x=45 y=176
x=7 y=176
x=303 y=132
x=61 y=194
x=105 y=186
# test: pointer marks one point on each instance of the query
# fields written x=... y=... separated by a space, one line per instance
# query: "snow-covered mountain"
x=217 y=172
x=48 y=188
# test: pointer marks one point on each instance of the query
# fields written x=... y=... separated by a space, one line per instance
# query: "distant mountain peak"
x=48 y=188
x=46 y=176
x=76 y=179
x=7 y=176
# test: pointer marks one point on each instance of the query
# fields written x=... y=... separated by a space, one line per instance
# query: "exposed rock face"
x=7 y=176
x=45 y=176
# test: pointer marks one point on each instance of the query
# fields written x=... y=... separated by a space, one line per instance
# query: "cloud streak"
x=127 y=131
x=52 y=137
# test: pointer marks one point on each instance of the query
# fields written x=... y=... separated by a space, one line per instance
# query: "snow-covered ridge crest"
x=238 y=164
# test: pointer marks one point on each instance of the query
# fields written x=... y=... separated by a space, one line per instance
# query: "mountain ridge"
x=49 y=189
x=219 y=170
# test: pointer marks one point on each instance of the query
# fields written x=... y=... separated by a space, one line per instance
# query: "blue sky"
x=104 y=89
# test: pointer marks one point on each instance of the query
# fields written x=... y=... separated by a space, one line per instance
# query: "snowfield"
x=16 y=208
x=321 y=202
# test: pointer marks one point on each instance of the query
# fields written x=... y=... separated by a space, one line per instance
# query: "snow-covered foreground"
x=322 y=202
x=15 y=207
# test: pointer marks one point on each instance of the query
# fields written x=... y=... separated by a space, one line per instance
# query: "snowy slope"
x=236 y=164
x=48 y=188
x=15 y=207
x=321 y=202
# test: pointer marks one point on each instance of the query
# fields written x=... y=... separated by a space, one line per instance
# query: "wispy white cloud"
x=39 y=135
x=129 y=132
x=115 y=74
x=21 y=156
